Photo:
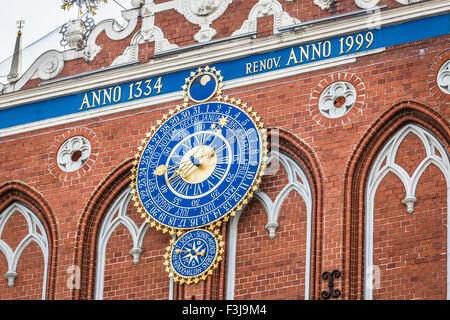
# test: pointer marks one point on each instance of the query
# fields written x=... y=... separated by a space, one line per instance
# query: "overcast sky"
x=42 y=17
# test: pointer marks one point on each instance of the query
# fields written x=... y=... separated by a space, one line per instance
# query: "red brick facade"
x=395 y=88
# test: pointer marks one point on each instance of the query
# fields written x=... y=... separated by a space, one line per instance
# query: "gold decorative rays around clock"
x=164 y=180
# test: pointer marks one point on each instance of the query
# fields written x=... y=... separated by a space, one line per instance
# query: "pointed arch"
x=105 y=212
x=90 y=223
x=356 y=183
x=115 y=217
x=16 y=196
x=299 y=160
x=385 y=164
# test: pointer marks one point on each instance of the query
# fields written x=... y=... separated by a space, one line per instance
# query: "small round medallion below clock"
x=194 y=255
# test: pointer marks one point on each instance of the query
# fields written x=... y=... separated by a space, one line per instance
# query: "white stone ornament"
x=366 y=4
x=266 y=8
x=337 y=99
x=443 y=77
x=90 y=52
x=75 y=34
x=202 y=13
x=49 y=65
x=324 y=4
x=73 y=154
x=137 y=3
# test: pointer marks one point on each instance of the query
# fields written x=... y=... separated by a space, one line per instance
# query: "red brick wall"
x=266 y=268
x=410 y=249
x=29 y=283
x=124 y=280
x=341 y=156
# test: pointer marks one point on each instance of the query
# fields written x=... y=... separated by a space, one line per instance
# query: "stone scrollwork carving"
x=90 y=52
x=202 y=13
x=49 y=65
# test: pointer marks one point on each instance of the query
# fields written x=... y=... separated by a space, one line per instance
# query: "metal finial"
x=20 y=24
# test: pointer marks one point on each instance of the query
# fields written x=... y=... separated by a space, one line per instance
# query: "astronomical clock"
x=197 y=166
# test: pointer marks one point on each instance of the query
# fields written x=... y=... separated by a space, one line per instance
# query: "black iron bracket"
x=330 y=276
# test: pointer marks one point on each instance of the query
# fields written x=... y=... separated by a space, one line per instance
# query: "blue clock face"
x=194 y=253
x=199 y=165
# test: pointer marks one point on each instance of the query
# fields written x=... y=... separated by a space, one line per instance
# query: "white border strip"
x=152 y=101
x=224 y=52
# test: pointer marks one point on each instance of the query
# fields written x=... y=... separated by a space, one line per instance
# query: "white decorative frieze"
x=202 y=13
x=266 y=8
x=73 y=154
x=443 y=77
x=337 y=99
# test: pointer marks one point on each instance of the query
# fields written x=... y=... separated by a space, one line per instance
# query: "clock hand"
x=202 y=253
x=162 y=169
x=222 y=122
x=180 y=251
x=182 y=170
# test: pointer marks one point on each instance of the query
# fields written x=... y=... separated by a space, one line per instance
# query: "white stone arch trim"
x=36 y=233
x=273 y=211
x=265 y=8
x=152 y=33
x=116 y=216
x=384 y=164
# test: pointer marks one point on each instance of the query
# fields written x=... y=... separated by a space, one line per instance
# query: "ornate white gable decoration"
x=149 y=32
x=267 y=8
x=202 y=13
